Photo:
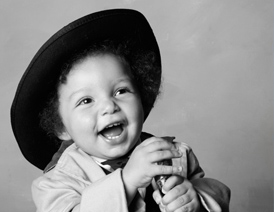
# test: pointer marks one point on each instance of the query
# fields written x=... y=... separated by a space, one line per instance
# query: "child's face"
x=98 y=95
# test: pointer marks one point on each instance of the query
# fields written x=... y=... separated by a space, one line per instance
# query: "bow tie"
x=117 y=163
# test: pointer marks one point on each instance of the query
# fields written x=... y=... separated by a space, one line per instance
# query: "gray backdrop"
x=217 y=89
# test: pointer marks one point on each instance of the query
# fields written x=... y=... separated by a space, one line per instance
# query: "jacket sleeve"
x=214 y=195
x=63 y=193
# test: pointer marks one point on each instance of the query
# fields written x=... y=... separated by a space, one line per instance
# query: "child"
x=88 y=91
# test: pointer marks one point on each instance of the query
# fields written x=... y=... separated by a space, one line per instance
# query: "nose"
x=109 y=106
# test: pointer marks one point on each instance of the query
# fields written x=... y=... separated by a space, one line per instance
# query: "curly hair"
x=144 y=68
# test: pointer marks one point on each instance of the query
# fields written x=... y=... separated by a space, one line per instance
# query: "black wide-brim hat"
x=36 y=83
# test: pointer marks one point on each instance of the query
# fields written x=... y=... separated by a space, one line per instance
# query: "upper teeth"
x=112 y=125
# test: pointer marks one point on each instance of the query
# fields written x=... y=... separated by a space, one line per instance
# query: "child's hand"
x=179 y=195
x=141 y=167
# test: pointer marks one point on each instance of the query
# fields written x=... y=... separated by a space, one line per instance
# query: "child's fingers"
x=166 y=170
x=154 y=138
x=171 y=182
x=157 y=196
x=173 y=194
x=148 y=141
x=181 y=204
x=181 y=195
x=154 y=144
x=163 y=155
x=175 y=201
x=179 y=190
x=158 y=199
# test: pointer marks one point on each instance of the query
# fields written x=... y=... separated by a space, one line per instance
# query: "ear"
x=64 y=136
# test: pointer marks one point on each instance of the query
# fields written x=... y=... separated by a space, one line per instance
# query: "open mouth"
x=112 y=131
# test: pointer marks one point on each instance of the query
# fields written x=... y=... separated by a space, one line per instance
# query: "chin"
x=119 y=153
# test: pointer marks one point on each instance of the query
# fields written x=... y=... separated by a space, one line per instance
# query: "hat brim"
x=32 y=92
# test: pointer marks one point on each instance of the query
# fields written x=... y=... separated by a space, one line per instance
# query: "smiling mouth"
x=112 y=131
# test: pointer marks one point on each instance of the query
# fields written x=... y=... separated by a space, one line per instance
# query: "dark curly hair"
x=144 y=68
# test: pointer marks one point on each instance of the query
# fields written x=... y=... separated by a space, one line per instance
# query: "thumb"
x=158 y=199
x=157 y=196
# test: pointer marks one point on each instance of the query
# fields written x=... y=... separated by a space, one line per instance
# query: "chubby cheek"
x=81 y=125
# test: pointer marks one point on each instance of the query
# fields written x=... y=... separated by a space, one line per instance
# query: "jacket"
x=78 y=183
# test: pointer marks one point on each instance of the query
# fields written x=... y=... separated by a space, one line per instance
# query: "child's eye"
x=85 y=101
x=122 y=91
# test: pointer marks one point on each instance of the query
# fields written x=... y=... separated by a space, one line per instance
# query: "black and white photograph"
x=136 y=106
